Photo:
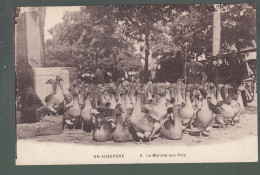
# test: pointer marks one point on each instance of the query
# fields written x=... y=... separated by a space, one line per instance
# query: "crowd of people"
x=227 y=69
x=218 y=70
x=102 y=75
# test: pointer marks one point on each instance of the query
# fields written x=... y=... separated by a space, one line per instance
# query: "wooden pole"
x=216 y=30
x=185 y=64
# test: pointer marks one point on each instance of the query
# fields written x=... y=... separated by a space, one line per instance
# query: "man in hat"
x=219 y=70
x=99 y=76
x=193 y=70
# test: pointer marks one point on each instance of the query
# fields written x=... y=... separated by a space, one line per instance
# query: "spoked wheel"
x=249 y=85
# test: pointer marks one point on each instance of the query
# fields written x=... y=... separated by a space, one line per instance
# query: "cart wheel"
x=250 y=92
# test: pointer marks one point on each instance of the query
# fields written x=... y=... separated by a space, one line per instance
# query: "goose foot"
x=220 y=127
x=191 y=127
x=83 y=132
x=138 y=142
x=156 y=135
x=207 y=133
x=140 y=137
x=185 y=131
x=147 y=143
x=233 y=124
x=156 y=126
x=200 y=137
x=199 y=140
x=65 y=127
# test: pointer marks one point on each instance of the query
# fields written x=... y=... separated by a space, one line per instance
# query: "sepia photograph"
x=135 y=84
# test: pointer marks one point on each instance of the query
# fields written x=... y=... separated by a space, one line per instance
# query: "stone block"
x=32 y=113
x=47 y=126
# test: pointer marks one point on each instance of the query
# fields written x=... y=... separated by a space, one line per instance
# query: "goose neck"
x=205 y=105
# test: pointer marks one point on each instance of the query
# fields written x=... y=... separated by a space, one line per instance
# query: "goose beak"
x=112 y=122
x=99 y=123
x=130 y=106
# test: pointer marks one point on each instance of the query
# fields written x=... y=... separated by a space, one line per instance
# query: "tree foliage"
x=142 y=22
x=196 y=28
x=238 y=26
x=106 y=35
x=90 y=37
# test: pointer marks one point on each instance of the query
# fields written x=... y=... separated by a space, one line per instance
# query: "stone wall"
x=42 y=75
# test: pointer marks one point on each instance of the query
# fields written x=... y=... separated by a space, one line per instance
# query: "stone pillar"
x=29 y=48
x=29 y=36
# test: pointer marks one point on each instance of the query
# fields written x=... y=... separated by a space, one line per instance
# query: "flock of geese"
x=142 y=112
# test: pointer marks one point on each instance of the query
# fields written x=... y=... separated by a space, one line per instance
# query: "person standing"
x=204 y=78
x=115 y=74
x=219 y=70
x=210 y=69
x=87 y=76
x=99 y=77
x=81 y=71
x=193 y=70
x=234 y=72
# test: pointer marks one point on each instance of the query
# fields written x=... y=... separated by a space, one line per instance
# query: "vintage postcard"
x=131 y=84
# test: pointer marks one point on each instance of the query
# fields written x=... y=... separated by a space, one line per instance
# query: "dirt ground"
x=246 y=127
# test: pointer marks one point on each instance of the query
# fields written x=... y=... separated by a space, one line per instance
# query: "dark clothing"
x=234 y=73
x=86 y=78
x=114 y=76
x=144 y=74
x=219 y=72
x=107 y=78
x=210 y=72
x=219 y=80
x=193 y=70
x=117 y=75
x=99 y=77
x=193 y=79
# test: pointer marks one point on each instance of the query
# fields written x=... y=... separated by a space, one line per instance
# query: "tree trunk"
x=216 y=30
x=96 y=61
x=147 y=48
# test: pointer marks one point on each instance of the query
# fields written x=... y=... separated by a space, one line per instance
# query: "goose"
x=123 y=128
x=187 y=113
x=85 y=114
x=55 y=101
x=172 y=127
x=204 y=118
x=144 y=125
x=71 y=116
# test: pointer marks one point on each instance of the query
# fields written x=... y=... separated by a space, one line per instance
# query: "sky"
x=54 y=16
